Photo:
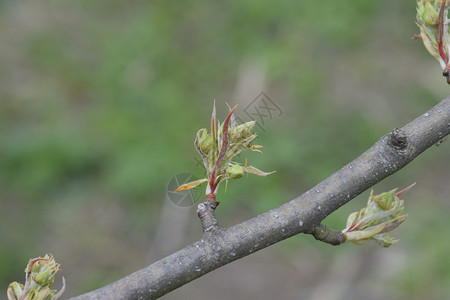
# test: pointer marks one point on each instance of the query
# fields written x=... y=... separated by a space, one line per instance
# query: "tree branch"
x=301 y=215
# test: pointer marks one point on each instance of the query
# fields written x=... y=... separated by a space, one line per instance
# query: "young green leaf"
x=190 y=185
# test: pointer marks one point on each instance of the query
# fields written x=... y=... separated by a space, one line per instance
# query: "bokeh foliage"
x=100 y=102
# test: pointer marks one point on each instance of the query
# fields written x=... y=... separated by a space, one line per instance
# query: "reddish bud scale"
x=440 y=30
x=213 y=183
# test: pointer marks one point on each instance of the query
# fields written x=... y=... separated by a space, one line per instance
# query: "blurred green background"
x=100 y=102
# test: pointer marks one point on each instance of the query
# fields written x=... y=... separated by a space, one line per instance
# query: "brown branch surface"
x=301 y=215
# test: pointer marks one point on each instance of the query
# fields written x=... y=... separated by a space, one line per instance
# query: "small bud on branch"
x=218 y=148
x=40 y=275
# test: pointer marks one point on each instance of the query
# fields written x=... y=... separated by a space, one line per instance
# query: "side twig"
x=205 y=212
x=330 y=236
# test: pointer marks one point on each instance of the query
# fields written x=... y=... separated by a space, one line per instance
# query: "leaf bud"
x=235 y=171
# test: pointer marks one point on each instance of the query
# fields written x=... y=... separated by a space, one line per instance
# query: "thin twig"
x=205 y=212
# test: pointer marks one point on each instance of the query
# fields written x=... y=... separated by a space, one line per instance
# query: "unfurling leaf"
x=190 y=185
x=432 y=20
x=256 y=171
x=382 y=214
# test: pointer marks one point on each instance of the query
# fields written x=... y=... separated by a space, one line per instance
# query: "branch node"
x=398 y=139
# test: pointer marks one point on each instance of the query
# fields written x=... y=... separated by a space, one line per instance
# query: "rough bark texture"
x=301 y=215
x=205 y=212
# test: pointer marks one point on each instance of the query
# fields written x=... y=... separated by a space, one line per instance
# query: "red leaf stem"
x=213 y=183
